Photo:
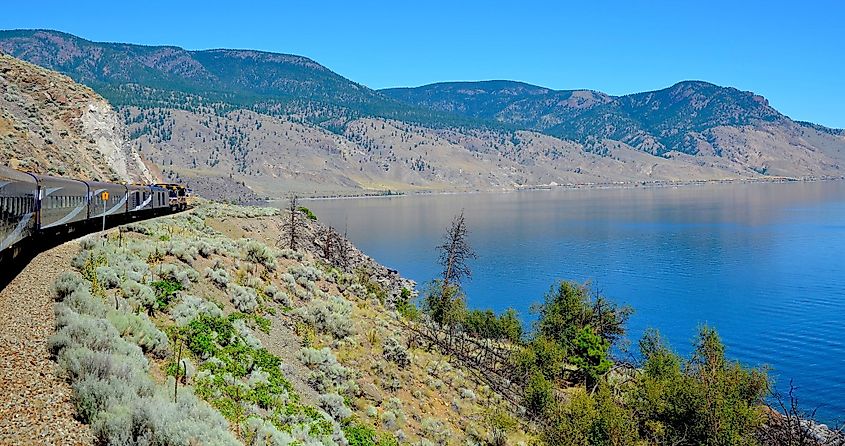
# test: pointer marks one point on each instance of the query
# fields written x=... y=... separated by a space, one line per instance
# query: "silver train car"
x=63 y=202
x=18 y=202
x=37 y=207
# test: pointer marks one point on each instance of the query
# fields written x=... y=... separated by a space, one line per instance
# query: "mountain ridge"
x=281 y=123
x=579 y=114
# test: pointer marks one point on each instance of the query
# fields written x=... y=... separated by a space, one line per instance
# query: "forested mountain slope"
x=265 y=124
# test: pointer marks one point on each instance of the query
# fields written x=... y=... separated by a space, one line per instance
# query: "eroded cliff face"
x=50 y=124
x=102 y=125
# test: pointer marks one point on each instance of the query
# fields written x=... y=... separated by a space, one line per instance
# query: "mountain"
x=518 y=103
x=267 y=124
x=220 y=79
x=49 y=124
x=658 y=122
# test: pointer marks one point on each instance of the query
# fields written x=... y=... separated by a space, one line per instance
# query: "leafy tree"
x=570 y=307
x=589 y=354
x=444 y=304
x=703 y=400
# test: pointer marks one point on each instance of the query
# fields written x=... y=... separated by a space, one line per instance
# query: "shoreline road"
x=35 y=406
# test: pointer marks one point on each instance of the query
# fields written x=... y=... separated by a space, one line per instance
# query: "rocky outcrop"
x=50 y=124
x=102 y=125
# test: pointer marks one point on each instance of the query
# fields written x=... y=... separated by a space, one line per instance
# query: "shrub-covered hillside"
x=206 y=328
x=236 y=325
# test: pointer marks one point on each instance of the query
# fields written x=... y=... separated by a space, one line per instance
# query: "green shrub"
x=704 y=400
x=485 y=324
x=332 y=316
x=165 y=292
x=539 y=394
x=542 y=356
x=244 y=299
x=445 y=305
x=308 y=214
x=590 y=420
x=206 y=334
x=406 y=307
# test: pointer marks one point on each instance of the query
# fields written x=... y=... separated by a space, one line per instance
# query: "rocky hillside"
x=276 y=155
x=50 y=124
x=264 y=125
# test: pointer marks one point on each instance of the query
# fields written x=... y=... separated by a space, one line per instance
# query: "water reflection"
x=763 y=263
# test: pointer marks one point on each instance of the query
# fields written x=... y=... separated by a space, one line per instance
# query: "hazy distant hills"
x=280 y=123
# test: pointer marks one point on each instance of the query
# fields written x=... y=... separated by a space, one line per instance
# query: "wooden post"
x=178 y=361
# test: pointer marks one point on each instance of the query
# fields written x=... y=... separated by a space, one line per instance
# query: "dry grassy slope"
x=781 y=150
x=275 y=156
x=430 y=398
x=430 y=388
x=50 y=124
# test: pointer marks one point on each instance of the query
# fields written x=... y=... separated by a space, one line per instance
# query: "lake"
x=764 y=264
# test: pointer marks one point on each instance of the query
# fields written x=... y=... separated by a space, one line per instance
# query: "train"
x=36 y=207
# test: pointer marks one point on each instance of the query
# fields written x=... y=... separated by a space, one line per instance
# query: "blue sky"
x=792 y=53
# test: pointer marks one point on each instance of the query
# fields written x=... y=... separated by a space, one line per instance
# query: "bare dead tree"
x=328 y=240
x=325 y=242
x=789 y=425
x=342 y=251
x=444 y=301
x=291 y=225
x=455 y=252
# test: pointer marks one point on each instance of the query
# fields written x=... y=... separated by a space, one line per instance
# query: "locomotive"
x=37 y=207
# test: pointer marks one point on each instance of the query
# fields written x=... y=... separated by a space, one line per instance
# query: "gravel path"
x=35 y=405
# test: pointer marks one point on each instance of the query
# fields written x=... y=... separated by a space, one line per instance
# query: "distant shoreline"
x=581 y=186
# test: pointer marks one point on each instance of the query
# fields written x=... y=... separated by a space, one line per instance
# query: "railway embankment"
x=227 y=325
x=35 y=407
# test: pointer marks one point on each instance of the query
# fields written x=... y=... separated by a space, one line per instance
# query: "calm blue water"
x=763 y=263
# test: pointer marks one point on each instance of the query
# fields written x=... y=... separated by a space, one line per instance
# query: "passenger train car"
x=34 y=206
